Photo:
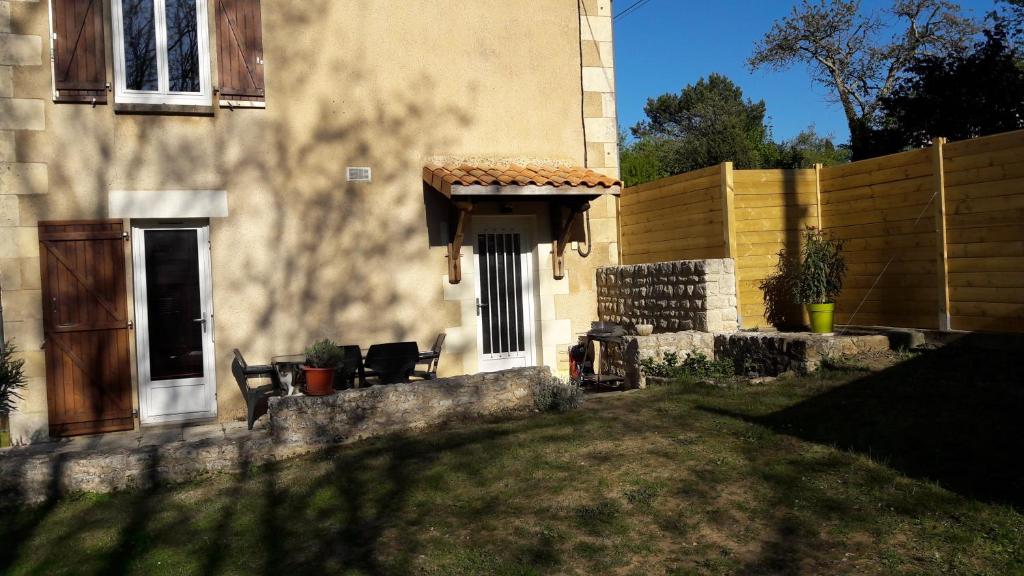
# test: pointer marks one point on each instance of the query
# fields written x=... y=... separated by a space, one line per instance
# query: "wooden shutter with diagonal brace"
x=240 y=50
x=78 y=51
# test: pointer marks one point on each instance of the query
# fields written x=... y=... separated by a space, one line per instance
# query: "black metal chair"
x=391 y=363
x=351 y=369
x=256 y=399
x=430 y=358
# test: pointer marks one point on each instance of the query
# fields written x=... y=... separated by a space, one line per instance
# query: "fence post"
x=729 y=229
x=942 y=256
x=817 y=193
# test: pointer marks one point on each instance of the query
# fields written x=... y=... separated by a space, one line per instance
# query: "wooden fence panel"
x=675 y=218
x=985 y=224
x=884 y=208
x=934 y=238
x=772 y=208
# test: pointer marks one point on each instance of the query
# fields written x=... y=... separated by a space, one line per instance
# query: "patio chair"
x=256 y=399
x=391 y=363
x=430 y=358
x=351 y=369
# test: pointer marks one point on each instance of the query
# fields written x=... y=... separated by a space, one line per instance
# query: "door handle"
x=479 y=306
x=203 y=321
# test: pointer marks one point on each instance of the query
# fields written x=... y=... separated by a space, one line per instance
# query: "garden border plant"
x=12 y=380
x=814 y=281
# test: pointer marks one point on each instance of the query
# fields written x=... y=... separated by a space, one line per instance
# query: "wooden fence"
x=934 y=238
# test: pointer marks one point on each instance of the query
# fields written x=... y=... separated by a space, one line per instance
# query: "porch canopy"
x=567 y=189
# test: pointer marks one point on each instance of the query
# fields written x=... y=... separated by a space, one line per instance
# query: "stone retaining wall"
x=771 y=354
x=625 y=360
x=298 y=424
x=671 y=296
x=379 y=410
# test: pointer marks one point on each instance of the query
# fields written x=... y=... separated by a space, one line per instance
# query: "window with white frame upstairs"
x=161 y=52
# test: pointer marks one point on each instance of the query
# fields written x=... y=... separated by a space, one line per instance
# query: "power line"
x=634 y=7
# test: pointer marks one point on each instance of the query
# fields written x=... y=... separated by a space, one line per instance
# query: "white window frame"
x=163 y=95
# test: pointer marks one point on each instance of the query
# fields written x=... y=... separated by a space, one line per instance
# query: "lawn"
x=911 y=469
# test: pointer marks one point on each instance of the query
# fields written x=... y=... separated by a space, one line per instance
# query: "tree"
x=706 y=123
x=1014 y=18
x=808 y=148
x=846 y=50
x=640 y=160
x=959 y=96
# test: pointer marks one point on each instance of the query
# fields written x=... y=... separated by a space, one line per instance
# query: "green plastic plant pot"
x=821 y=317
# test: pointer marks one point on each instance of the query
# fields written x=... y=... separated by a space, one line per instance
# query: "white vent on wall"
x=358 y=174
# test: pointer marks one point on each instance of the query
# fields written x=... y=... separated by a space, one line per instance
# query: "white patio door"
x=505 y=298
x=174 y=313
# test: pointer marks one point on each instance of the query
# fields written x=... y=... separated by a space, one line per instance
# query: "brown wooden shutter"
x=86 y=323
x=79 y=55
x=240 y=50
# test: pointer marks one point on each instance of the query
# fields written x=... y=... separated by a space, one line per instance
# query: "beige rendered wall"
x=303 y=254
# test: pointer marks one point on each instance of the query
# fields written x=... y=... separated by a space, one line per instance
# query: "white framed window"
x=161 y=52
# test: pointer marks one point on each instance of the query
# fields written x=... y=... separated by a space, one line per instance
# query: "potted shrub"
x=322 y=360
x=12 y=379
x=819 y=278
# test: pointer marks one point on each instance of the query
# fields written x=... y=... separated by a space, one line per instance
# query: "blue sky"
x=668 y=44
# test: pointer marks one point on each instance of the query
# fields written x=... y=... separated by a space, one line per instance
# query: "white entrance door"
x=174 y=313
x=505 y=302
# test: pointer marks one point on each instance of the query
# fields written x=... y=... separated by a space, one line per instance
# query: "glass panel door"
x=175 y=308
x=174 y=315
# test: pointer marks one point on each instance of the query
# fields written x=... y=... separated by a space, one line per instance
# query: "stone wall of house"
x=378 y=410
x=20 y=180
x=672 y=296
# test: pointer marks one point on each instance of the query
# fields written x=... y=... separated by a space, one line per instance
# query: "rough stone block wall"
x=773 y=354
x=625 y=360
x=379 y=410
x=671 y=296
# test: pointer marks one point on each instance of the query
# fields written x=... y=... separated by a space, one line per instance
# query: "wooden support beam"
x=460 y=215
x=560 y=229
x=942 y=256
x=817 y=193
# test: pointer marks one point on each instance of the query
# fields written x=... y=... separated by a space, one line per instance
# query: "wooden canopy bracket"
x=560 y=228
x=463 y=210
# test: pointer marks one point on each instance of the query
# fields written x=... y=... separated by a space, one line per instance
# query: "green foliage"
x=780 y=307
x=696 y=366
x=640 y=161
x=707 y=123
x=324 y=354
x=557 y=395
x=12 y=377
x=822 y=267
x=959 y=96
x=807 y=149
x=859 y=56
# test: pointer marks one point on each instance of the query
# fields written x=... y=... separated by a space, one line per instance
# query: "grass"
x=908 y=470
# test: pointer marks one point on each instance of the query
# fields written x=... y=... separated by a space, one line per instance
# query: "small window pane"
x=139 y=45
x=182 y=45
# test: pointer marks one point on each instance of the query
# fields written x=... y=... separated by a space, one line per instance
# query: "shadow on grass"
x=954 y=415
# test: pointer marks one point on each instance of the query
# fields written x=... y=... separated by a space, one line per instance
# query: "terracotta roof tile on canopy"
x=468 y=180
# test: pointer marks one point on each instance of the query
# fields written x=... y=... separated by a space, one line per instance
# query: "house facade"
x=181 y=178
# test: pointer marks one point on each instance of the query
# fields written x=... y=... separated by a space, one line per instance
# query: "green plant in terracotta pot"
x=12 y=380
x=322 y=360
x=819 y=278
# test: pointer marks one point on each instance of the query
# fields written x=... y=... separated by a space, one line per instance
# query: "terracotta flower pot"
x=319 y=381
